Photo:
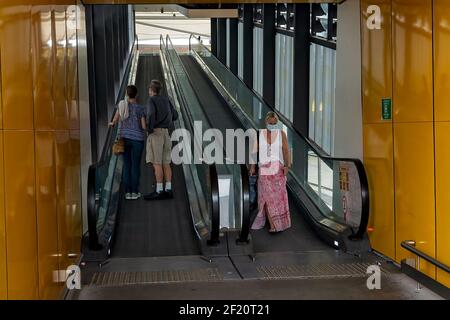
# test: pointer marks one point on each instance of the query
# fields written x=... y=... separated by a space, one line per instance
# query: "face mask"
x=272 y=127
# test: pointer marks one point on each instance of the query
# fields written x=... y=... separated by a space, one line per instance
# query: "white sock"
x=159 y=187
x=168 y=186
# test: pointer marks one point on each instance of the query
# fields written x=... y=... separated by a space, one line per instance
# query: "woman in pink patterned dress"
x=274 y=164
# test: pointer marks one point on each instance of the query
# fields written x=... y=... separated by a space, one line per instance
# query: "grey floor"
x=393 y=287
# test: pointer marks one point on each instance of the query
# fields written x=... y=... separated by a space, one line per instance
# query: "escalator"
x=299 y=237
x=330 y=194
x=142 y=229
x=186 y=225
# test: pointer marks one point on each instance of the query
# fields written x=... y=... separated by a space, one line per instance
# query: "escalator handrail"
x=364 y=185
x=243 y=237
x=91 y=180
x=214 y=182
x=246 y=223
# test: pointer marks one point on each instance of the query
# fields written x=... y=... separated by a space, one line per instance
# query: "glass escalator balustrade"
x=228 y=174
x=106 y=178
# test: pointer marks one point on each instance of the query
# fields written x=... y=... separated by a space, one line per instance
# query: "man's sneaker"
x=128 y=196
x=135 y=196
x=168 y=194
x=154 y=196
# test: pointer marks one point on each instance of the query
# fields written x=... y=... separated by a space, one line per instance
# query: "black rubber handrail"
x=245 y=228
x=364 y=184
x=215 y=206
x=214 y=181
x=408 y=246
x=91 y=181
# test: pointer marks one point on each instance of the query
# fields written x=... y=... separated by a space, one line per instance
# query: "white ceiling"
x=151 y=23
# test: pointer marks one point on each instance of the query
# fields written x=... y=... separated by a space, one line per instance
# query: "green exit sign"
x=386 y=109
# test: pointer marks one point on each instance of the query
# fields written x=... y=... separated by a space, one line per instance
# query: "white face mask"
x=272 y=127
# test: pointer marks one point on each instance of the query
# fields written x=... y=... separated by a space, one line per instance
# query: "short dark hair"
x=155 y=86
x=132 y=92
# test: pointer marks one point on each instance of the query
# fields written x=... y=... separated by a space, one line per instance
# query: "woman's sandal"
x=273 y=230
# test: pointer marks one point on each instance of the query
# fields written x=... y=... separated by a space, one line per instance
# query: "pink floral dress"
x=272 y=197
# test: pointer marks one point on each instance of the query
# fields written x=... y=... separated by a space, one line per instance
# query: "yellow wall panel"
x=412 y=60
x=59 y=71
x=64 y=208
x=17 y=90
x=72 y=72
x=46 y=215
x=40 y=208
x=442 y=60
x=1 y=88
x=378 y=161
x=42 y=43
x=77 y=223
x=376 y=62
x=414 y=188
x=442 y=151
x=3 y=276
x=20 y=205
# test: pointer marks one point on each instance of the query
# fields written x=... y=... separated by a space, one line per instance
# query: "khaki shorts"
x=159 y=147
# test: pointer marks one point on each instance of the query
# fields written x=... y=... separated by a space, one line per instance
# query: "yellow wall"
x=378 y=133
x=3 y=277
x=442 y=132
x=40 y=214
x=407 y=157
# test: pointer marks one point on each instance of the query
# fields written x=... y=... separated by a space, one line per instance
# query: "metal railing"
x=410 y=245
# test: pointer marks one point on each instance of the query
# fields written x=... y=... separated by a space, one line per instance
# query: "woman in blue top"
x=132 y=129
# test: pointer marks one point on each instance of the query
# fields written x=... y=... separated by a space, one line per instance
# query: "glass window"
x=241 y=50
x=258 y=60
x=228 y=43
x=322 y=96
x=284 y=75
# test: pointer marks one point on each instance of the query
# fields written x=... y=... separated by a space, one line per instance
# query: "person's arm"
x=143 y=122
x=254 y=153
x=115 y=119
x=286 y=155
